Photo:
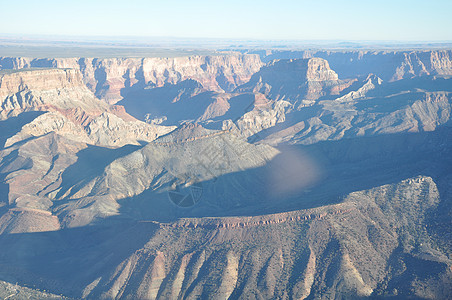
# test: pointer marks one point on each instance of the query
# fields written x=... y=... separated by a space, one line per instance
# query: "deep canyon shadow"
x=177 y=102
x=91 y=162
x=9 y=128
x=327 y=172
x=68 y=260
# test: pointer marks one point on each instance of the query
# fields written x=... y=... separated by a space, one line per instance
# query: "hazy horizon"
x=149 y=38
x=401 y=21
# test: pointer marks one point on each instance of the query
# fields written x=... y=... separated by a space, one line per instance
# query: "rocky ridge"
x=368 y=245
x=361 y=113
x=242 y=268
x=186 y=156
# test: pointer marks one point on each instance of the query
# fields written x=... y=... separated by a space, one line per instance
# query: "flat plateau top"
x=98 y=52
x=12 y=71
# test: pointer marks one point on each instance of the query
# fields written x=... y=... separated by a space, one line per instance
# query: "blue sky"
x=402 y=20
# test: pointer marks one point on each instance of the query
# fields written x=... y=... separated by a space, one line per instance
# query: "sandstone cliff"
x=72 y=109
x=283 y=86
x=299 y=81
x=108 y=78
x=41 y=89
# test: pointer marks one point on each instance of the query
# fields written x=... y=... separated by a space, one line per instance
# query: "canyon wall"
x=109 y=78
x=388 y=65
x=62 y=103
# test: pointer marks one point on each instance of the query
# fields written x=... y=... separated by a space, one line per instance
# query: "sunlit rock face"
x=299 y=81
x=68 y=108
x=109 y=78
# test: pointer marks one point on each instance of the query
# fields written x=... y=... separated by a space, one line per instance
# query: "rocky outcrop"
x=319 y=70
x=73 y=110
x=15 y=81
x=109 y=78
x=264 y=114
x=280 y=87
x=47 y=89
x=299 y=81
x=415 y=107
x=370 y=83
